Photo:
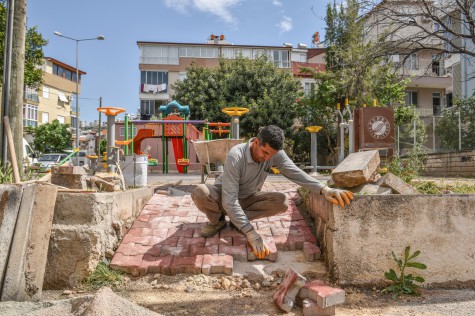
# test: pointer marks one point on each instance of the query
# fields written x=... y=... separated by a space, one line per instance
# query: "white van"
x=29 y=157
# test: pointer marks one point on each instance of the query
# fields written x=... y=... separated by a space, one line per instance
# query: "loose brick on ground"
x=311 y=308
x=286 y=293
x=324 y=295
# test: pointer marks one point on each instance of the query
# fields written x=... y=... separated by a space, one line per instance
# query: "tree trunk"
x=17 y=78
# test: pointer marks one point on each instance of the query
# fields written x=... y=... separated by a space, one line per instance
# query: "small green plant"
x=409 y=167
x=427 y=187
x=462 y=188
x=404 y=284
x=103 y=276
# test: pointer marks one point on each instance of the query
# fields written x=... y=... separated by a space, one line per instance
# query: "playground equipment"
x=220 y=132
x=345 y=127
x=174 y=127
x=313 y=148
x=211 y=152
x=235 y=113
x=112 y=152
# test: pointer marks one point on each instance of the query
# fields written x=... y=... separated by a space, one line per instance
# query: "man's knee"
x=201 y=191
x=283 y=201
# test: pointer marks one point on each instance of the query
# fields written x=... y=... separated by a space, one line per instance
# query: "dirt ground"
x=252 y=295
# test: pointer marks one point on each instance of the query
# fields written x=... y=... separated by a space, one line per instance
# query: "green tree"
x=447 y=128
x=52 y=137
x=354 y=70
x=270 y=93
x=404 y=119
x=33 y=51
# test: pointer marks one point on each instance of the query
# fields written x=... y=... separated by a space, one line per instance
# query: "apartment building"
x=430 y=87
x=163 y=63
x=55 y=99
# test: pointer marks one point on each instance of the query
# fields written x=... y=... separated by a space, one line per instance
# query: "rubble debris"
x=397 y=185
x=311 y=251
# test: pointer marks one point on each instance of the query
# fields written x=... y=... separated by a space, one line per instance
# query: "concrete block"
x=286 y=293
x=310 y=308
x=356 y=169
x=68 y=170
x=74 y=252
x=369 y=188
x=10 y=199
x=27 y=262
x=70 y=181
x=398 y=186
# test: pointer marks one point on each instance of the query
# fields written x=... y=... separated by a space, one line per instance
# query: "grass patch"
x=103 y=276
x=431 y=187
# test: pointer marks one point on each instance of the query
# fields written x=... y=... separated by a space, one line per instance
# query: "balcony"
x=30 y=96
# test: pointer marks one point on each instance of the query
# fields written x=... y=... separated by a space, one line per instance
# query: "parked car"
x=29 y=157
x=79 y=159
x=46 y=161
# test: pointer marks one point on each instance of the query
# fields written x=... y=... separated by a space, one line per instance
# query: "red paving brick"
x=165 y=238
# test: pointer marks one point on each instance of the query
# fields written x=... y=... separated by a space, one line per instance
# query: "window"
x=181 y=76
x=44 y=117
x=436 y=27
x=65 y=73
x=436 y=103
x=31 y=94
x=30 y=115
x=410 y=98
x=147 y=107
x=45 y=92
x=449 y=100
x=122 y=131
x=281 y=58
x=412 y=62
x=309 y=88
x=61 y=119
x=62 y=97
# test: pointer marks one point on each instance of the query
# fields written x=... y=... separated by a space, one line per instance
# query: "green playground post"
x=126 y=128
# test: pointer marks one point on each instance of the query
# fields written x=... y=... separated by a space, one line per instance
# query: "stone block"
x=10 y=199
x=68 y=170
x=70 y=180
x=25 y=272
x=398 y=186
x=73 y=254
x=312 y=252
x=311 y=308
x=324 y=295
x=370 y=188
x=272 y=256
x=286 y=293
x=213 y=264
x=356 y=169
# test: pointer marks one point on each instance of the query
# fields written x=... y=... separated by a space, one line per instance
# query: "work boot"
x=212 y=229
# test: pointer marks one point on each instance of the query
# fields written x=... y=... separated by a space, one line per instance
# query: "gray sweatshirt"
x=243 y=177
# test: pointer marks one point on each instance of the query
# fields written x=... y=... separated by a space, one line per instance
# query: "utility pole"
x=99 y=127
x=7 y=69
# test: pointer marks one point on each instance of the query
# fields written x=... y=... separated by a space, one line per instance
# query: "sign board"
x=374 y=128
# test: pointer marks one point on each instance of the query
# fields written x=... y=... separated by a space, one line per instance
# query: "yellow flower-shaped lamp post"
x=235 y=113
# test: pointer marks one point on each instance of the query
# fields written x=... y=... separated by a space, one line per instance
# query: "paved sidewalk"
x=165 y=238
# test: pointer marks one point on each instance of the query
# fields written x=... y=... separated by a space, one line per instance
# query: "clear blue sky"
x=112 y=65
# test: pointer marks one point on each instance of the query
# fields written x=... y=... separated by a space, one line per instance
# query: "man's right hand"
x=257 y=244
x=337 y=196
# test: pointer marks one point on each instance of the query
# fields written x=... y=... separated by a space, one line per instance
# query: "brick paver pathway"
x=165 y=237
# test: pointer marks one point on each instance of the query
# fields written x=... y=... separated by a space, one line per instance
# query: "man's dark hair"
x=272 y=135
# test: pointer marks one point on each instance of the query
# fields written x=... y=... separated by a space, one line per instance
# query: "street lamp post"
x=101 y=38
